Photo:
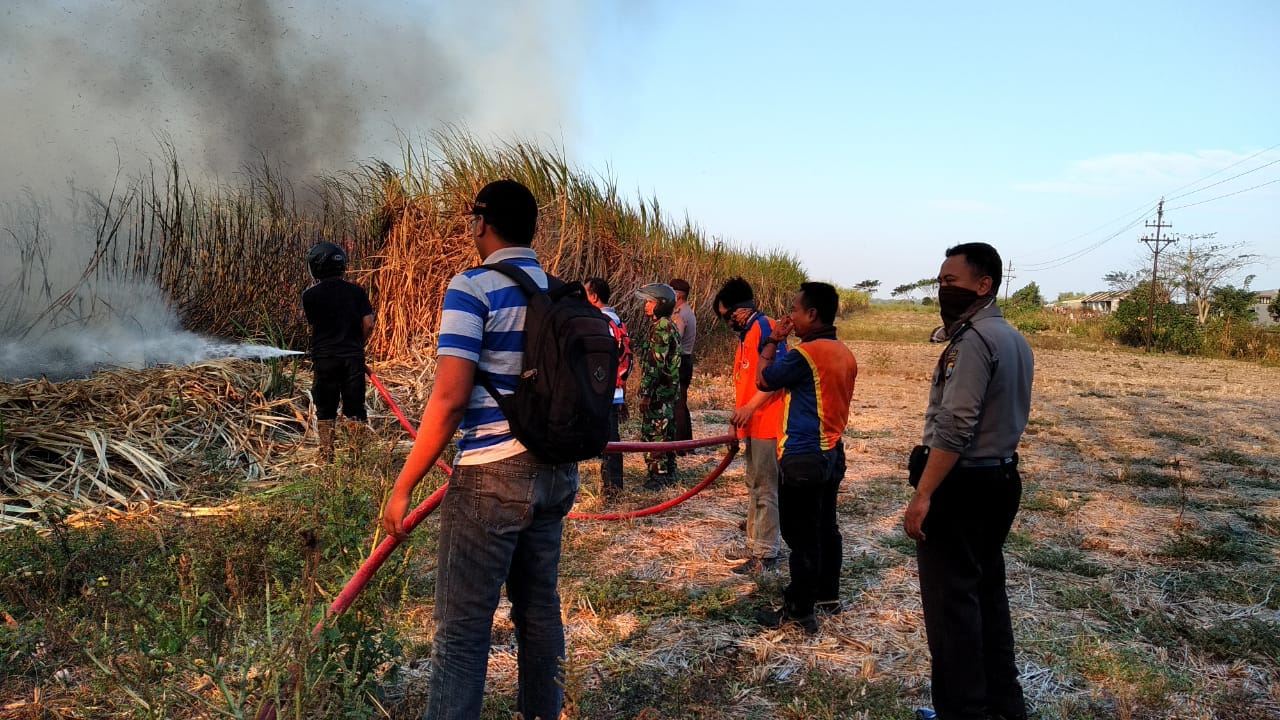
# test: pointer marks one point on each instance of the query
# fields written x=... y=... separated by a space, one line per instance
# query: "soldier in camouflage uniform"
x=659 y=382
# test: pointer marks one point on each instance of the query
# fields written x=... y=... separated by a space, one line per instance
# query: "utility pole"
x=1008 y=275
x=1156 y=244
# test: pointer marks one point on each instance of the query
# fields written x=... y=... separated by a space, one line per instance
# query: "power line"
x=1146 y=210
x=1143 y=211
x=1233 y=177
x=1222 y=170
x=1065 y=259
x=1237 y=192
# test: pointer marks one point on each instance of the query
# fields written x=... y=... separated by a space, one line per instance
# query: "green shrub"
x=1176 y=329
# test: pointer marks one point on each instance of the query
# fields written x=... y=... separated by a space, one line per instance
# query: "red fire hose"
x=388 y=545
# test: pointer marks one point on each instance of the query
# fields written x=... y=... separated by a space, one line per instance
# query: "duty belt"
x=986 y=462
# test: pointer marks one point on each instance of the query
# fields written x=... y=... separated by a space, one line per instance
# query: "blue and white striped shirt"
x=483 y=321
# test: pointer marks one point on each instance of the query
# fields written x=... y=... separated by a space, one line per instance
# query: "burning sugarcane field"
x=481 y=432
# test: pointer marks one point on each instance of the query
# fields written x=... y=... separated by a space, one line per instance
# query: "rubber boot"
x=324 y=428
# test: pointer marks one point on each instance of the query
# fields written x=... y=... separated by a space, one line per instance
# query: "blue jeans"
x=500 y=523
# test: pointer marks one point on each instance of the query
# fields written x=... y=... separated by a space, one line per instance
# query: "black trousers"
x=807 y=515
x=611 y=463
x=962 y=590
x=684 y=421
x=338 y=379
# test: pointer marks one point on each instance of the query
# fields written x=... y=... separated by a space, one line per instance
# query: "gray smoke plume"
x=90 y=90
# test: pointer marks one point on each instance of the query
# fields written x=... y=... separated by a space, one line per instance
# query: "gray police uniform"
x=978 y=407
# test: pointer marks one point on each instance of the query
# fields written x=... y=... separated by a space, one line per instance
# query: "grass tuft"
x=1062 y=559
x=1229 y=457
x=1223 y=543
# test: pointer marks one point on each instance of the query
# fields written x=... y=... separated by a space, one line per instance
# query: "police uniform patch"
x=949 y=361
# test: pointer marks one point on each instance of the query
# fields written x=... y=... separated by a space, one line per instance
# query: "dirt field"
x=1142 y=567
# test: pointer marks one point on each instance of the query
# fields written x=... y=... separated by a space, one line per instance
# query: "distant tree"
x=1274 y=308
x=867 y=286
x=1065 y=296
x=1204 y=268
x=1028 y=296
x=910 y=289
x=1234 y=303
x=1122 y=280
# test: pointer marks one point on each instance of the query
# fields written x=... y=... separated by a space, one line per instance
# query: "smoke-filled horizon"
x=94 y=91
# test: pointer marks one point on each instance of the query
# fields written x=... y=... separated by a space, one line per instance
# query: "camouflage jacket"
x=660 y=363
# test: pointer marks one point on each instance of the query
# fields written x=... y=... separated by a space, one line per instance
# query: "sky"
x=863 y=138
x=867 y=137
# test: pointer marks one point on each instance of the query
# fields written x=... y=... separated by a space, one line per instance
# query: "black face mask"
x=954 y=303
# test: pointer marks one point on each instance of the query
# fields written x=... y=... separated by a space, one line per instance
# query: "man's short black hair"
x=600 y=287
x=733 y=293
x=822 y=297
x=982 y=259
x=510 y=209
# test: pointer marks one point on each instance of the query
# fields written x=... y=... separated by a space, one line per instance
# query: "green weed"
x=1062 y=559
x=898 y=540
x=1179 y=437
x=1240 y=586
x=1229 y=457
x=1137 y=681
x=1268 y=525
x=1141 y=477
x=1223 y=543
x=835 y=696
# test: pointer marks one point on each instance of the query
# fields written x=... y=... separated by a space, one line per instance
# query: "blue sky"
x=867 y=137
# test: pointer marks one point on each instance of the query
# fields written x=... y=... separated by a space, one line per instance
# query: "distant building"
x=1104 y=302
x=1262 y=300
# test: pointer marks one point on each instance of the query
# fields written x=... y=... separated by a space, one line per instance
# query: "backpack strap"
x=521 y=278
x=530 y=288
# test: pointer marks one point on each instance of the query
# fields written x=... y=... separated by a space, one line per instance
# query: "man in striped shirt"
x=502 y=518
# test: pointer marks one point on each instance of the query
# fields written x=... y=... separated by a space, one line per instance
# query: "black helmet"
x=326 y=260
x=662 y=294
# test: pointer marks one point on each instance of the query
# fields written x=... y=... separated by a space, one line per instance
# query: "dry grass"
x=1130 y=600
x=1115 y=641
x=125 y=439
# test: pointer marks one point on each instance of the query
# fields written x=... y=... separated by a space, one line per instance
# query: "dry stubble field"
x=1143 y=566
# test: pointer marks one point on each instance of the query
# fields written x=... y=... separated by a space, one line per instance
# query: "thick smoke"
x=91 y=90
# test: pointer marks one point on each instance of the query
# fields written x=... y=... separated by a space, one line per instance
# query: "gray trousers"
x=764 y=538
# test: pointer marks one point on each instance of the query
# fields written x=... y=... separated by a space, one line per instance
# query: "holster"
x=916 y=461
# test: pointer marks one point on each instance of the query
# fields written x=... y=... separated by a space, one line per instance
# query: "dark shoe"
x=758 y=566
x=926 y=714
x=779 y=616
x=829 y=607
x=657 y=482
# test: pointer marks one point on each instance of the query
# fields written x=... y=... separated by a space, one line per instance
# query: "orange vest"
x=766 y=423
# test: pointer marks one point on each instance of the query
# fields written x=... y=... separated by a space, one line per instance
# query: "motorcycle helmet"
x=326 y=260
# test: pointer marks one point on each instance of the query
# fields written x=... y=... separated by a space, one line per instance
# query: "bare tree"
x=1204 y=268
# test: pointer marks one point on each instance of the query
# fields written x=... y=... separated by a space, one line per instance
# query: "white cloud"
x=1145 y=171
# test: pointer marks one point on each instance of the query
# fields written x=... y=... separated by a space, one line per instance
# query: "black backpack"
x=560 y=409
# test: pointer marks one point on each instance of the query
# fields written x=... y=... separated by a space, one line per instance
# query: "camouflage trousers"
x=659 y=425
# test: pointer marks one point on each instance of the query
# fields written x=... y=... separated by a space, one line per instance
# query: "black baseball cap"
x=510 y=208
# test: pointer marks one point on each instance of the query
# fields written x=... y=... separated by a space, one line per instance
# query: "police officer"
x=967 y=492
x=659 y=382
